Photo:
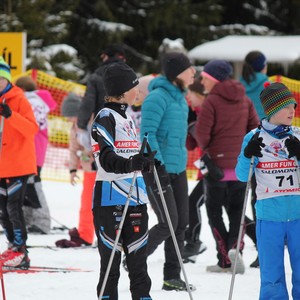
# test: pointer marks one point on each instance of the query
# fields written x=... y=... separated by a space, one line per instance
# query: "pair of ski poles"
x=144 y=144
x=247 y=194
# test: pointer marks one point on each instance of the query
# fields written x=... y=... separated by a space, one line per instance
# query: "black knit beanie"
x=175 y=63
x=119 y=78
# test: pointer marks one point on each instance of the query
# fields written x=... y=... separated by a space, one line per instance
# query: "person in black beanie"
x=118 y=158
x=164 y=118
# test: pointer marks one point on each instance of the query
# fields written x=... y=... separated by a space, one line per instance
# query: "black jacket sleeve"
x=92 y=101
x=109 y=160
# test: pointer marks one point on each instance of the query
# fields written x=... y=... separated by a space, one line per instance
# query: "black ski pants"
x=175 y=190
x=229 y=195
x=133 y=240
x=12 y=193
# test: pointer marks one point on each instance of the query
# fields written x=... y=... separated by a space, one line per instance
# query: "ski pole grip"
x=144 y=143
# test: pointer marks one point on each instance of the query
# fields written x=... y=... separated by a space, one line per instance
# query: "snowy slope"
x=63 y=200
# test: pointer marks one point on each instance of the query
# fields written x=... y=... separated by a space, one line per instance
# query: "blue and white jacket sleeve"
x=243 y=163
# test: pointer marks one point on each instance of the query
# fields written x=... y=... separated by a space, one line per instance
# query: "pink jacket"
x=42 y=103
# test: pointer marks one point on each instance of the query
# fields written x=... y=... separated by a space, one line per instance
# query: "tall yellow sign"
x=13 y=49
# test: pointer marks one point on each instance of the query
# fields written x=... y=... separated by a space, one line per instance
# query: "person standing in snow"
x=254 y=75
x=93 y=99
x=194 y=246
x=116 y=152
x=219 y=131
x=17 y=163
x=276 y=153
x=79 y=157
x=253 y=78
x=164 y=118
x=36 y=210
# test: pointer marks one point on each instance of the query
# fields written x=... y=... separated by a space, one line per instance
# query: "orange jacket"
x=18 y=151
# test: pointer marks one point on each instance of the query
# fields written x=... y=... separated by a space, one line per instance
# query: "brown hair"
x=26 y=83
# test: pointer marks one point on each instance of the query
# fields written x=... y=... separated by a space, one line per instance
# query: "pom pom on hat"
x=217 y=70
x=275 y=97
x=70 y=105
x=174 y=63
x=4 y=69
x=119 y=78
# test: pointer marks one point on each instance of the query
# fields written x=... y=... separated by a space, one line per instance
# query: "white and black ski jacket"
x=114 y=141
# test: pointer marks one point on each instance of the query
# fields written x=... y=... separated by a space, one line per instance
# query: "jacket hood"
x=257 y=83
x=163 y=83
x=15 y=91
x=230 y=90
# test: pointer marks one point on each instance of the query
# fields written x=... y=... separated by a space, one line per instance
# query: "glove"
x=5 y=110
x=214 y=171
x=152 y=161
x=254 y=147
x=140 y=162
x=293 y=146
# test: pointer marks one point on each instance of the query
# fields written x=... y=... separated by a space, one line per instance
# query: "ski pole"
x=121 y=225
x=59 y=223
x=1 y=129
x=163 y=200
x=2 y=281
x=247 y=193
x=296 y=163
x=298 y=171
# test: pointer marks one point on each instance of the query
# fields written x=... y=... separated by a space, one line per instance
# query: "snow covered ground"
x=63 y=200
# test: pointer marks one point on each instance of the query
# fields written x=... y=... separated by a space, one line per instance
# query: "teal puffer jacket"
x=164 y=118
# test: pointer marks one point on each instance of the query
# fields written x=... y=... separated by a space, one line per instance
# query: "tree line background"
x=141 y=25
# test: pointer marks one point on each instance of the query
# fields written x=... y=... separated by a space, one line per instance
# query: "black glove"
x=293 y=146
x=141 y=162
x=150 y=157
x=214 y=171
x=254 y=147
x=5 y=110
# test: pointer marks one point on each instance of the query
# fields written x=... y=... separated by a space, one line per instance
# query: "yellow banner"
x=13 y=49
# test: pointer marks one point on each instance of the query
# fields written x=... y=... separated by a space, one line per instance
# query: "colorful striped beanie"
x=4 y=69
x=275 y=97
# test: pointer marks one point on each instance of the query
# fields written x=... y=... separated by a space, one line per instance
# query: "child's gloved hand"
x=5 y=110
x=254 y=147
x=293 y=146
x=142 y=162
